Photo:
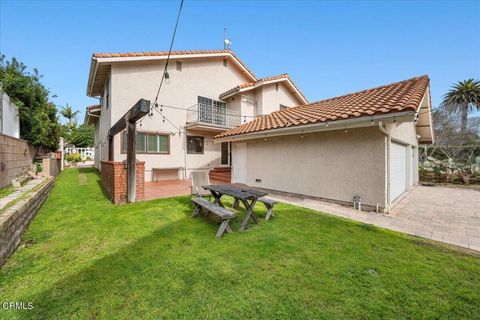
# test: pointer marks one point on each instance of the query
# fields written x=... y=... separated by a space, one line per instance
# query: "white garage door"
x=239 y=160
x=398 y=170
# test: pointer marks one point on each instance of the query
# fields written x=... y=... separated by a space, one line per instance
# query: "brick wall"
x=16 y=157
x=114 y=180
x=15 y=219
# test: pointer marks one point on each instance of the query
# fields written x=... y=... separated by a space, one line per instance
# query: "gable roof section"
x=262 y=81
x=393 y=98
x=104 y=60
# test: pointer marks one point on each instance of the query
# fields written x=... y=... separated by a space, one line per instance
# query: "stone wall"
x=14 y=220
x=114 y=180
x=16 y=157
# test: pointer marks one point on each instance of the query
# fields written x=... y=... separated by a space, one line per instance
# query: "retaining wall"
x=15 y=220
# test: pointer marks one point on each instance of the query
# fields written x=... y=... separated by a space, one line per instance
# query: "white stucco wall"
x=132 y=81
x=9 y=116
x=331 y=165
x=271 y=99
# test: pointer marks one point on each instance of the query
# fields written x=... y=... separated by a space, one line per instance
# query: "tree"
x=69 y=114
x=82 y=136
x=463 y=97
x=38 y=115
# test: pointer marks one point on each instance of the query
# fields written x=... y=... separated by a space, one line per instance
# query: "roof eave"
x=297 y=93
x=364 y=121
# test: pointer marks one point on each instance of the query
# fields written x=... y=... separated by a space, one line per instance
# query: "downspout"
x=388 y=138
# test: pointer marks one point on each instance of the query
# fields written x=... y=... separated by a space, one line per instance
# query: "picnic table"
x=247 y=196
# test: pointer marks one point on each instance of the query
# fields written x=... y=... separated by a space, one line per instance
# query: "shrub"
x=73 y=157
x=38 y=168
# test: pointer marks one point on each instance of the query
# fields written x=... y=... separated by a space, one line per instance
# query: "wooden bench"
x=224 y=214
x=269 y=204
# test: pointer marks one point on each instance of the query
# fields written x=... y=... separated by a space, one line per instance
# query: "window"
x=107 y=94
x=194 y=145
x=179 y=65
x=147 y=142
x=225 y=62
x=283 y=107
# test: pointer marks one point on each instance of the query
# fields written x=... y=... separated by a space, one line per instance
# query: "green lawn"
x=84 y=258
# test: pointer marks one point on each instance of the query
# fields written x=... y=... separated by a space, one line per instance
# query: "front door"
x=225 y=154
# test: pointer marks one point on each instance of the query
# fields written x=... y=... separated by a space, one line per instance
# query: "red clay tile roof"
x=95 y=106
x=173 y=53
x=396 y=97
x=253 y=83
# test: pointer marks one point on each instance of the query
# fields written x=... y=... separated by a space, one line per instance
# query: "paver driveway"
x=450 y=215
x=445 y=214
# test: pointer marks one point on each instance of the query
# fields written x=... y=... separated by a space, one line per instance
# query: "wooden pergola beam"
x=140 y=109
x=128 y=121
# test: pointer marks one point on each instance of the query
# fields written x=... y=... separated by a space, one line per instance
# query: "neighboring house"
x=9 y=116
x=206 y=93
x=361 y=144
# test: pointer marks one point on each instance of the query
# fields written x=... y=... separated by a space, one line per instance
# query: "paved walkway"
x=19 y=191
x=450 y=215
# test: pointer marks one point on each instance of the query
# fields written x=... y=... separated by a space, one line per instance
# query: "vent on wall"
x=258 y=180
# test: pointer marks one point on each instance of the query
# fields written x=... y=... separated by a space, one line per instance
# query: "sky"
x=329 y=48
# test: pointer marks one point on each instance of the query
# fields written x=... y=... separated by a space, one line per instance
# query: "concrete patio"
x=449 y=215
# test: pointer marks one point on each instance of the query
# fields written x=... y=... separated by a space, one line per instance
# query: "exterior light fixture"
x=301 y=137
x=394 y=119
x=346 y=131
x=326 y=124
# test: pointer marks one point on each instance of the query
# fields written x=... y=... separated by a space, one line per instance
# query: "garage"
x=398 y=170
x=361 y=146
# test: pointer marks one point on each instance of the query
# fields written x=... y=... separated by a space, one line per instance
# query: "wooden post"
x=131 y=163
x=128 y=121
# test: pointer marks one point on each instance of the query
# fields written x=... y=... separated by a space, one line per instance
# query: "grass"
x=6 y=191
x=84 y=258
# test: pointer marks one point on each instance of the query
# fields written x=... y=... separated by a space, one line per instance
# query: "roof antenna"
x=226 y=42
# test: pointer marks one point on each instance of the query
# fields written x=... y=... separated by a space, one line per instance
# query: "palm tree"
x=463 y=97
x=68 y=113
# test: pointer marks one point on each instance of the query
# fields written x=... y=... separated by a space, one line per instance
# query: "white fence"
x=84 y=152
x=9 y=116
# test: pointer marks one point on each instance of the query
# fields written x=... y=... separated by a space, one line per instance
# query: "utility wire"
x=169 y=51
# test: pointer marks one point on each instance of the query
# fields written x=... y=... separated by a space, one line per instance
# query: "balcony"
x=207 y=117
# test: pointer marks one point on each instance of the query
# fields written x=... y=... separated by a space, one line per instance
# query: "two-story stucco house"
x=206 y=93
x=213 y=112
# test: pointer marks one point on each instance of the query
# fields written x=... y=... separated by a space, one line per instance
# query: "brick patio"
x=169 y=188
x=450 y=215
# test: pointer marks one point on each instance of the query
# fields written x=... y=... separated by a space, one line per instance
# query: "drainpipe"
x=386 y=132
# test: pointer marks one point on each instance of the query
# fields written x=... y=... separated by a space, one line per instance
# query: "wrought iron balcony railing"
x=219 y=116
